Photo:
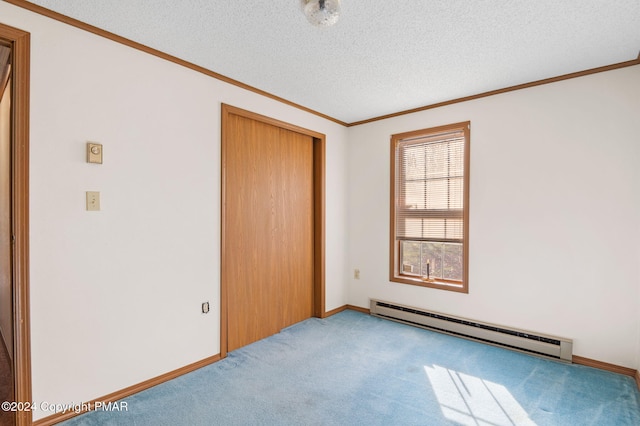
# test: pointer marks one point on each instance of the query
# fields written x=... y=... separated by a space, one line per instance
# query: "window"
x=430 y=207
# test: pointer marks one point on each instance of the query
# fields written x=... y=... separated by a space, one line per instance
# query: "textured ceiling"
x=383 y=56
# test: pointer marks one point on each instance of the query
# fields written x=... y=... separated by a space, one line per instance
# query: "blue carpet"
x=355 y=369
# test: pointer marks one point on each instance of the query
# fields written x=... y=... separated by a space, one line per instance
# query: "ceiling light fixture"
x=321 y=13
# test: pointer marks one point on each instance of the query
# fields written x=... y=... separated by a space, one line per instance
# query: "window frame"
x=395 y=269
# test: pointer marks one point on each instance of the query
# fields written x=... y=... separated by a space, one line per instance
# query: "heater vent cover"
x=525 y=341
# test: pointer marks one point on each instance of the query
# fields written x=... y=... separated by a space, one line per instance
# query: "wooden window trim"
x=395 y=274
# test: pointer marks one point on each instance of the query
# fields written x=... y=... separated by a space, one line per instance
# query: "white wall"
x=554 y=206
x=116 y=294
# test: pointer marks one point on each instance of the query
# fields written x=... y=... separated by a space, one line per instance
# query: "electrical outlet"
x=356 y=274
x=205 y=308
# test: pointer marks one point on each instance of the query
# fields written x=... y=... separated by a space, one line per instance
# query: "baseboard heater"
x=546 y=346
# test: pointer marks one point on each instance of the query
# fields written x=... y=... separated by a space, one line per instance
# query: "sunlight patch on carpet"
x=469 y=400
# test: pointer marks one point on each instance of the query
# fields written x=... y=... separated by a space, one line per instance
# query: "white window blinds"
x=429 y=192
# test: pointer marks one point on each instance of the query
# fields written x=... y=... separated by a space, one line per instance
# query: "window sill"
x=441 y=285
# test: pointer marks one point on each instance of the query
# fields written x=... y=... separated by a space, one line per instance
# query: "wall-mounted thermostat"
x=94 y=152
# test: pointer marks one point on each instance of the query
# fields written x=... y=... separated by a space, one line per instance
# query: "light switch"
x=94 y=152
x=93 y=201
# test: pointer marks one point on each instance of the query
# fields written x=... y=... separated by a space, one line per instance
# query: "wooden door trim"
x=20 y=44
x=319 y=157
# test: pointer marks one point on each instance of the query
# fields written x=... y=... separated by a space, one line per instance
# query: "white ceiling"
x=383 y=56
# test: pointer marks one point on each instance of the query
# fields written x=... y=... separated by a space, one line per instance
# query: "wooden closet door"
x=268 y=258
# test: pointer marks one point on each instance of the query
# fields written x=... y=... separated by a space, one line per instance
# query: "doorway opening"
x=14 y=135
